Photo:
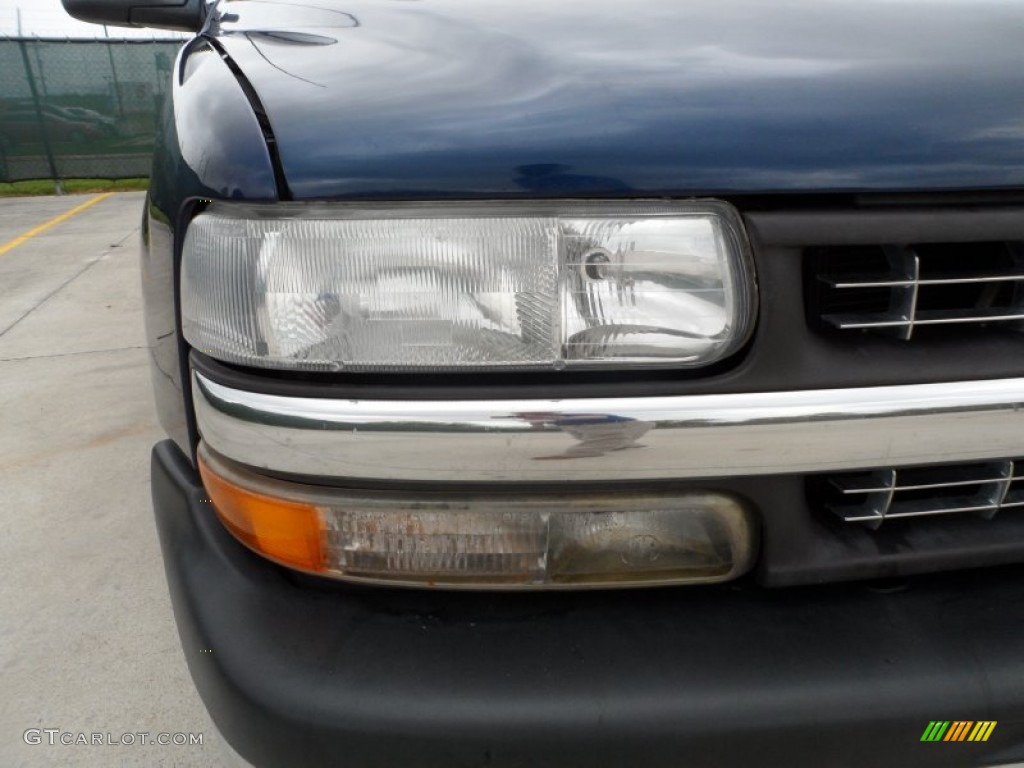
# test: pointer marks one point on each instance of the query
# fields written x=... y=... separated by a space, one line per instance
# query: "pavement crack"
x=70 y=354
x=89 y=265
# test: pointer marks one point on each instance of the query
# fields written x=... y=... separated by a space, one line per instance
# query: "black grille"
x=906 y=290
x=982 y=489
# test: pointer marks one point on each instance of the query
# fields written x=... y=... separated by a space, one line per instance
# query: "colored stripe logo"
x=958 y=730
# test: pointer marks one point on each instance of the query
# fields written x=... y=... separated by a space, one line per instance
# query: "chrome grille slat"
x=920 y=509
x=934 y=317
x=870 y=320
x=850 y=321
x=851 y=490
x=897 y=289
x=878 y=281
x=910 y=492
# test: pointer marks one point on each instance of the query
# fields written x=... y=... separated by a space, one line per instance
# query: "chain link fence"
x=80 y=108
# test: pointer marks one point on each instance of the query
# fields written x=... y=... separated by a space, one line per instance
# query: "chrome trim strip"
x=638 y=438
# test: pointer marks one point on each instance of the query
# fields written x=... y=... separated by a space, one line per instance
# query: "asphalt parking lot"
x=87 y=639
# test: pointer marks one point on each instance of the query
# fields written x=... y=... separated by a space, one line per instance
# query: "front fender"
x=210 y=145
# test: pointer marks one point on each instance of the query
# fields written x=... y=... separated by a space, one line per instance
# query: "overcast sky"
x=46 y=18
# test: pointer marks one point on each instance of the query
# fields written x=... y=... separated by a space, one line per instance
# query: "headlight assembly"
x=441 y=287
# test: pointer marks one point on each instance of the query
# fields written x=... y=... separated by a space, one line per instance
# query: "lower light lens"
x=449 y=540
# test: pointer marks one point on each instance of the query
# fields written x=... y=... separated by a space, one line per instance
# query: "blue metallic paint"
x=209 y=145
x=466 y=98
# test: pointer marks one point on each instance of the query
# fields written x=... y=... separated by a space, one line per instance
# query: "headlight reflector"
x=484 y=285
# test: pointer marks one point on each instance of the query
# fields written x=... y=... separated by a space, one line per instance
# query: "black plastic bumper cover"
x=297 y=675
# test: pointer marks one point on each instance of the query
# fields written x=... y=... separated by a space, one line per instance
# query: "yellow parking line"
x=24 y=236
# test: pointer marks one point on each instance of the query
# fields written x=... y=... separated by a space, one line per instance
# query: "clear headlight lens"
x=443 y=287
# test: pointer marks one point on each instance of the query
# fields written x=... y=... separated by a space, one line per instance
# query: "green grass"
x=71 y=186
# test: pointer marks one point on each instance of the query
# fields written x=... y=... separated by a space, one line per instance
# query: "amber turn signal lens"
x=286 y=531
x=485 y=541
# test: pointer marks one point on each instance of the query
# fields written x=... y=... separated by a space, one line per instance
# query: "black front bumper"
x=295 y=673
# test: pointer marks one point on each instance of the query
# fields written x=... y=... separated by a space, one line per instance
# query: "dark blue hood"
x=469 y=98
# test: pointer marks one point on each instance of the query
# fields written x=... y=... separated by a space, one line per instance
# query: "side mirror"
x=185 y=15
